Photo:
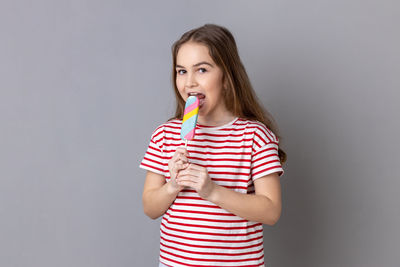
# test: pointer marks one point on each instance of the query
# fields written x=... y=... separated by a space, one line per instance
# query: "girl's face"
x=197 y=74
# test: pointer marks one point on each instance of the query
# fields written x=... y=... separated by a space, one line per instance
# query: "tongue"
x=201 y=101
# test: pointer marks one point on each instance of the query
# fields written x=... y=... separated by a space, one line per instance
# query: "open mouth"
x=200 y=96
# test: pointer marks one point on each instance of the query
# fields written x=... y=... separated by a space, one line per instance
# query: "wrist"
x=171 y=189
x=214 y=194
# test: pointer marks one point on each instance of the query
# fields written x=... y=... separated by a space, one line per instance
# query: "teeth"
x=196 y=94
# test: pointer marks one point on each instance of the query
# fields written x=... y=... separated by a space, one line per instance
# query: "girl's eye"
x=202 y=70
x=180 y=72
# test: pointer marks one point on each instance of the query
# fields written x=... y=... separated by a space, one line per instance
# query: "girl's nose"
x=190 y=81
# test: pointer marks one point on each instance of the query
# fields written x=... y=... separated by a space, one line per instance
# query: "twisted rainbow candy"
x=190 y=118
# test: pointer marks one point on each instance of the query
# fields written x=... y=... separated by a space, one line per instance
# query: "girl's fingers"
x=180 y=154
x=186 y=183
x=180 y=165
x=177 y=156
x=182 y=150
x=185 y=176
x=180 y=157
x=196 y=168
x=184 y=159
x=193 y=169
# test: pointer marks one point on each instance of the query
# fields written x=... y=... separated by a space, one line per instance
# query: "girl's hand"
x=196 y=177
x=178 y=162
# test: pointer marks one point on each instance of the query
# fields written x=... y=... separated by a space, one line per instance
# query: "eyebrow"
x=196 y=65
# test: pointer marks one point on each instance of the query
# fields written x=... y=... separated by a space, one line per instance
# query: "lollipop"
x=190 y=119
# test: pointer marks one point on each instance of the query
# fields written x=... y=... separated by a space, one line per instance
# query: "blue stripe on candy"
x=188 y=126
x=191 y=99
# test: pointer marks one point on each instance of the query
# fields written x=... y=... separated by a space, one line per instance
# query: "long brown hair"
x=240 y=98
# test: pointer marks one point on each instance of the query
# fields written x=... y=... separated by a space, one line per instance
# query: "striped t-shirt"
x=194 y=231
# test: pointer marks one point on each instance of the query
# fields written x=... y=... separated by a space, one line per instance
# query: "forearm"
x=258 y=208
x=157 y=200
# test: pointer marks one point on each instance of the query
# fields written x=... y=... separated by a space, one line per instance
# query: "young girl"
x=215 y=194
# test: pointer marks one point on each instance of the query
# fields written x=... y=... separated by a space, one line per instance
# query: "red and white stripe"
x=195 y=232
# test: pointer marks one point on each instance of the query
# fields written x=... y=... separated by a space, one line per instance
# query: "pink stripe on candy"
x=192 y=106
x=190 y=135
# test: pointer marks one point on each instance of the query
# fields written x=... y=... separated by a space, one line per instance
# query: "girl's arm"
x=264 y=206
x=157 y=195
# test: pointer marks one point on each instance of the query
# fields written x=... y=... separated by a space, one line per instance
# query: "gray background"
x=84 y=83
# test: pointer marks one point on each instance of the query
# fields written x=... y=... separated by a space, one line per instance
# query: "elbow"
x=150 y=214
x=273 y=217
x=148 y=210
x=272 y=221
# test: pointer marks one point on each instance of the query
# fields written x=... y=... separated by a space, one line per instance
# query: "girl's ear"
x=225 y=88
x=225 y=83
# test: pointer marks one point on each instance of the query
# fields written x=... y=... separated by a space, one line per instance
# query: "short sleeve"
x=154 y=159
x=265 y=157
